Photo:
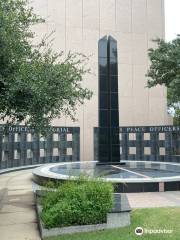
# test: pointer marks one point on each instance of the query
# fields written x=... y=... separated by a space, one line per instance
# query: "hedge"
x=77 y=203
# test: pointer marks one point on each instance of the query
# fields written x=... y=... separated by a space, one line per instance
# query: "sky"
x=172 y=18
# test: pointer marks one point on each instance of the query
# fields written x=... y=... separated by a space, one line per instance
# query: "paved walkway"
x=154 y=199
x=17 y=213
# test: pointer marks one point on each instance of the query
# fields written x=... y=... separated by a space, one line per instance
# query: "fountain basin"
x=131 y=176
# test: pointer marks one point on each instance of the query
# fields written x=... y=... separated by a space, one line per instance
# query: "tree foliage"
x=36 y=83
x=165 y=70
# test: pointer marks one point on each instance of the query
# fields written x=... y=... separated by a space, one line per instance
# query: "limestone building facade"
x=78 y=25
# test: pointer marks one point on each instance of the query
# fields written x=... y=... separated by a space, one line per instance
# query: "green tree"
x=165 y=70
x=36 y=83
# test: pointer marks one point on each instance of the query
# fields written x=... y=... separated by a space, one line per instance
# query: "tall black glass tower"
x=109 y=145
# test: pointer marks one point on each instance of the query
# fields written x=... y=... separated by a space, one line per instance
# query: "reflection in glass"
x=103 y=66
x=102 y=47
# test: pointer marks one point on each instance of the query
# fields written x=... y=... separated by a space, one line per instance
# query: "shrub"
x=77 y=203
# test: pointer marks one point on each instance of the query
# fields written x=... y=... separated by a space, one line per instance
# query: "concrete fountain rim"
x=44 y=172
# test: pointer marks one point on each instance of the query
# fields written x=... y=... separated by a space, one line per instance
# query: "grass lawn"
x=152 y=218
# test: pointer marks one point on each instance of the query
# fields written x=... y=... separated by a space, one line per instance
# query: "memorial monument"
x=140 y=172
x=108 y=145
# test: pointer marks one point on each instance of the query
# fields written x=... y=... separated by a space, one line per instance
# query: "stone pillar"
x=108 y=145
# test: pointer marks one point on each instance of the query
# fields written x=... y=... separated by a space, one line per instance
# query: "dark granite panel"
x=114 y=102
x=103 y=83
x=104 y=103
x=103 y=118
x=114 y=83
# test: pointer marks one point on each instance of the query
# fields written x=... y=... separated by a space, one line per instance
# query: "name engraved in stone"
x=61 y=130
x=26 y=129
x=144 y=129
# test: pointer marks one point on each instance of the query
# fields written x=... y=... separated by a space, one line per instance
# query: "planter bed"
x=118 y=217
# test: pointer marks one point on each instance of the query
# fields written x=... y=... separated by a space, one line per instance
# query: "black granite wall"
x=17 y=141
x=146 y=143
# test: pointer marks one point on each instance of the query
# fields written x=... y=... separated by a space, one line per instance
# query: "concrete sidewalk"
x=17 y=213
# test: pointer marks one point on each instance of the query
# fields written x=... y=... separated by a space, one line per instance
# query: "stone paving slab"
x=11 y=218
x=154 y=199
x=27 y=231
x=14 y=209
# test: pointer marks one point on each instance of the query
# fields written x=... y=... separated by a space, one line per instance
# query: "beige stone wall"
x=79 y=24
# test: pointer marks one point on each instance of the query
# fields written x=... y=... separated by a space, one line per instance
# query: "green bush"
x=77 y=203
